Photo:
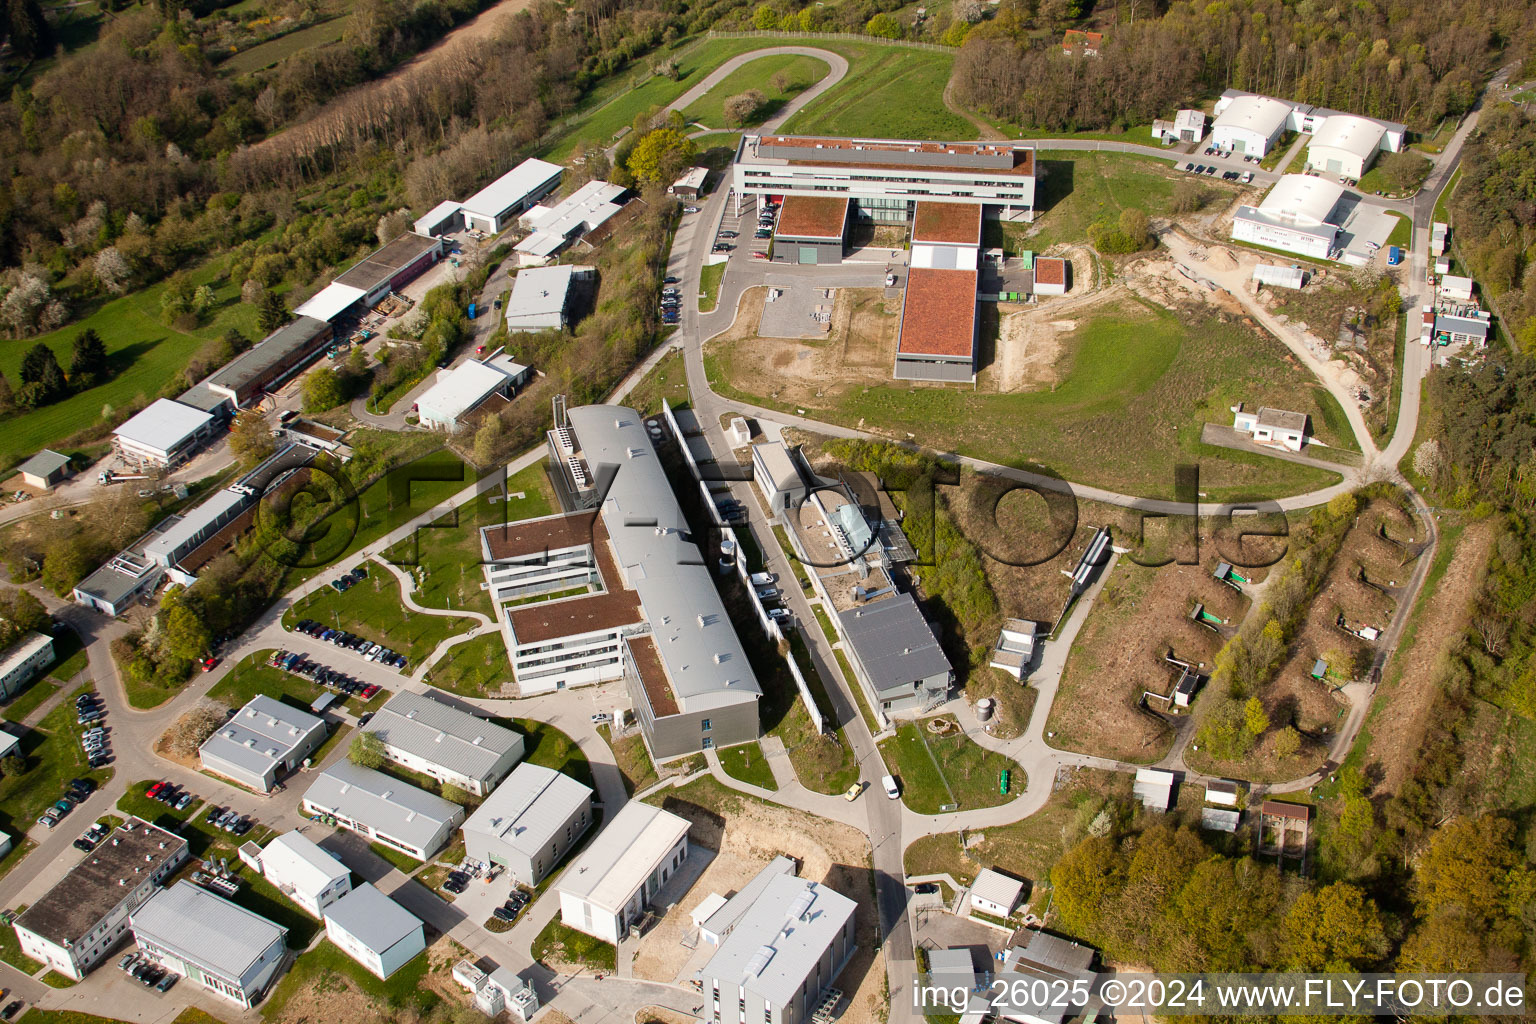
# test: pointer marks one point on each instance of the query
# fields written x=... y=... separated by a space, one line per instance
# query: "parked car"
x=48 y=820
x=926 y=888
x=768 y=593
x=154 y=789
x=128 y=960
x=166 y=983
x=85 y=787
x=183 y=802
x=11 y=1009
x=780 y=614
x=690 y=209
x=1210 y=170
x=1247 y=177
x=891 y=789
x=244 y=825
x=669 y=280
x=210 y=663
x=213 y=815
x=730 y=234
x=503 y=914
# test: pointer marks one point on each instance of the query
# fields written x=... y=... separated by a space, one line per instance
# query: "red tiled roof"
x=812 y=217
x=1077 y=37
x=938 y=314
x=947 y=223
x=1281 y=809
x=1049 y=270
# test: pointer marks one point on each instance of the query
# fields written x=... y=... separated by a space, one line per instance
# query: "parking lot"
x=796 y=308
x=1364 y=228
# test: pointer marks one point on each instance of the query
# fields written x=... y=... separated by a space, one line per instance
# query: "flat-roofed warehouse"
x=376 y=806
x=892 y=174
x=1298 y=215
x=498 y=204
x=530 y=822
x=542 y=297
x=85 y=914
x=811 y=229
x=262 y=740
x=388 y=268
x=164 y=435
x=375 y=931
x=278 y=356
x=1346 y=144
x=218 y=945
x=606 y=889
x=459 y=392
x=936 y=340
x=450 y=745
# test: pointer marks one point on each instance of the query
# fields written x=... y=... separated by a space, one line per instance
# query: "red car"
x=154 y=790
x=369 y=691
x=210 y=663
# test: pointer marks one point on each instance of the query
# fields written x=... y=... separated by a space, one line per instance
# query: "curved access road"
x=837 y=64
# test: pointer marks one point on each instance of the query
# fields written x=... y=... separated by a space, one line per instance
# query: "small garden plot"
x=1141 y=616
x=1357 y=597
x=939 y=766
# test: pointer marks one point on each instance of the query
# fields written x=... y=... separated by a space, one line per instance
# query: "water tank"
x=984 y=708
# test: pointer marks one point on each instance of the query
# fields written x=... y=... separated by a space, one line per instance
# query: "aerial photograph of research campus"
x=691 y=511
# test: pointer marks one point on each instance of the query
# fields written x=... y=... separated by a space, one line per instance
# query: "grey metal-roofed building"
x=541 y=296
x=722 y=921
x=262 y=740
x=530 y=822
x=164 y=435
x=1462 y=329
x=783 y=954
x=276 y=357
x=44 y=469
x=705 y=692
x=200 y=523
x=896 y=654
x=391 y=266
x=374 y=930
x=778 y=476
x=126 y=577
x=450 y=745
x=1053 y=960
x=201 y=396
x=995 y=893
x=375 y=806
x=228 y=950
x=493 y=207
x=76 y=923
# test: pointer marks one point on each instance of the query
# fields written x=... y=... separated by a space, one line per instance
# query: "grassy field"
x=747 y=763
x=709 y=287
x=935 y=770
x=28 y=700
x=69 y=657
x=1131 y=371
x=633 y=759
x=474 y=668
x=53 y=756
x=445 y=557
x=253 y=676
x=801 y=72
x=1402 y=233
x=667 y=379
x=558 y=943
x=143 y=353
x=326 y=963
x=372 y=609
x=273 y=51
x=1077 y=190
x=889 y=92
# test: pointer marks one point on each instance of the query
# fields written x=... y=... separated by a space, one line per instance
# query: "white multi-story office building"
x=305 y=873
x=607 y=888
x=230 y=951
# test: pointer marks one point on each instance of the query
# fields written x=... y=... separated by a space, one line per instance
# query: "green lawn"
x=1402 y=233
x=545 y=745
x=266 y=54
x=36 y=1016
x=405 y=988
x=558 y=943
x=633 y=759
x=474 y=668
x=53 y=756
x=143 y=352
x=254 y=676
x=668 y=379
x=445 y=556
x=69 y=657
x=747 y=763
x=385 y=504
x=802 y=73
x=1079 y=189
x=403 y=861
x=28 y=700
x=10 y=952
x=972 y=771
x=1129 y=371
x=709 y=287
x=372 y=609
x=889 y=92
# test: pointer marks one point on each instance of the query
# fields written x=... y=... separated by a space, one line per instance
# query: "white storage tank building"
x=1249 y=124
x=1296 y=216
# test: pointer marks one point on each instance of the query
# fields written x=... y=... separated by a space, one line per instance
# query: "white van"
x=891 y=789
